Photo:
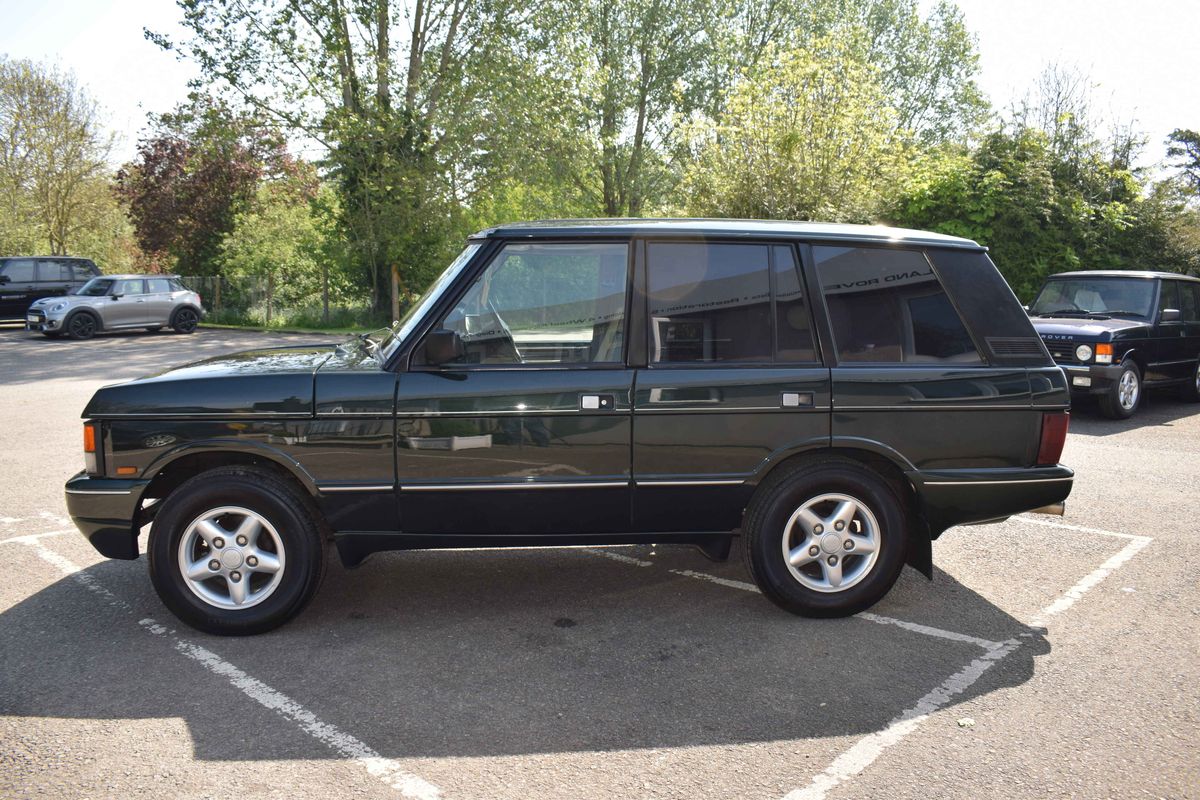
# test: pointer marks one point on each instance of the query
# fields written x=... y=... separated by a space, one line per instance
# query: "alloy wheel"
x=231 y=557
x=1129 y=389
x=831 y=542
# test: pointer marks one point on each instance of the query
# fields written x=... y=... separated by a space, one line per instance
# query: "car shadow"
x=1159 y=407
x=475 y=653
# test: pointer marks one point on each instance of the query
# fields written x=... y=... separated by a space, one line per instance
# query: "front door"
x=528 y=432
x=126 y=305
x=1172 y=361
x=733 y=380
x=18 y=285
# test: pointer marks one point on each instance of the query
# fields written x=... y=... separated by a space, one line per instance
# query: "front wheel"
x=827 y=539
x=185 y=320
x=235 y=551
x=1123 y=397
x=81 y=325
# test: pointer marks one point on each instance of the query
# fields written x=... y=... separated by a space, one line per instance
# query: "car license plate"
x=31 y=318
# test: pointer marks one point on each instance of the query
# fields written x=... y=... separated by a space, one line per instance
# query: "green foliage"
x=807 y=134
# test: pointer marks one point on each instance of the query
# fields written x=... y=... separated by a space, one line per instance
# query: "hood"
x=267 y=382
x=1103 y=330
x=71 y=300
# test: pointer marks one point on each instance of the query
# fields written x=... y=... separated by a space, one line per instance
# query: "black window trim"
x=985 y=360
x=467 y=279
x=748 y=239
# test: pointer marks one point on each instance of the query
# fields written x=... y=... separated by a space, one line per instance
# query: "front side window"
x=887 y=306
x=545 y=304
x=19 y=270
x=1078 y=297
x=1189 y=301
x=96 y=287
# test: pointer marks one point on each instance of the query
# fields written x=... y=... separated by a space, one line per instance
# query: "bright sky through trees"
x=1142 y=54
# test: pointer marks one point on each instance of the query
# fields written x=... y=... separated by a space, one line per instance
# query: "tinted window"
x=887 y=306
x=158 y=286
x=19 y=270
x=1189 y=299
x=1167 y=297
x=129 y=287
x=177 y=285
x=51 y=272
x=794 y=333
x=82 y=270
x=709 y=302
x=96 y=287
x=546 y=304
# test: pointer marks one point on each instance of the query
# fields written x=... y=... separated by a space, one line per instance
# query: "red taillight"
x=1054 y=436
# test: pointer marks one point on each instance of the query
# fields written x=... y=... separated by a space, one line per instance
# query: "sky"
x=1141 y=55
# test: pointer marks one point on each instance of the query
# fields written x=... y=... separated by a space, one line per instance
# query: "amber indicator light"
x=1104 y=349
x=89 y=439
x=127 y=470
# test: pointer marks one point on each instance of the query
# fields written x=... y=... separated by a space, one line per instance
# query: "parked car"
x=118 y=302
x=1117 y=333
x=25 y=279
x=838 y=395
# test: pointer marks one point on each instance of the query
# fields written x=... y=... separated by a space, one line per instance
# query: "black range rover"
x=837 y=395
x=1115 y=332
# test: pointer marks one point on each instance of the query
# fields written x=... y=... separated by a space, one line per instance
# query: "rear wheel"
x=1124 y=396
x=236 y=551
x=81 y=325
x=827 y=539
x=1190 y=391
x=185 y=320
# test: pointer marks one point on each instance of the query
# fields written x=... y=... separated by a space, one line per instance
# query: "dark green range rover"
x=837 y=395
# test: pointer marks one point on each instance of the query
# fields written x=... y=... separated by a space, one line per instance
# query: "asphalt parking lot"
x=1048 y=658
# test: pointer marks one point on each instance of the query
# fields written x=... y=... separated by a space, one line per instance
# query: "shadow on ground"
x=483 y=653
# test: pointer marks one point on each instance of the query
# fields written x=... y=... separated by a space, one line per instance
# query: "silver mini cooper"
x=118 y=302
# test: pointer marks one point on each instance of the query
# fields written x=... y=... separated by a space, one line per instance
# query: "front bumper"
x=42 y=322
x=106 y=511
x=1093 y=378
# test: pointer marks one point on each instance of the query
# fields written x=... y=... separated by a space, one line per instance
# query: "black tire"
x=1111 y=403
x=1190 y=391
x=81 y=325
x=154 y=328
x=185 y=320
x=772 y=509
x=288 y=511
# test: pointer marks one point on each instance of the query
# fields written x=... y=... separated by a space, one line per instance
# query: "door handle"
x=596 y=402
x=796 y=400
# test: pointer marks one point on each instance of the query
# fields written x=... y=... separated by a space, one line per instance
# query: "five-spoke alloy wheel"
x=1122 y=399
x=826 y=537
x=236 y=550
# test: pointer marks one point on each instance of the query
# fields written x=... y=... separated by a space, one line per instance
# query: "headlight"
x=1083 y=352
x=58 y=307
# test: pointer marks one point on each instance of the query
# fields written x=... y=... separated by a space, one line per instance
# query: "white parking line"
x=28 y=538
x=864 y=752
x=386 y=769
x=1066 y=526
x=615 y=556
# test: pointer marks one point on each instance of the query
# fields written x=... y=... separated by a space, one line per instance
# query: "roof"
x=56 y=258
x=133 y=276
x=826 y=231
x=1122 y=273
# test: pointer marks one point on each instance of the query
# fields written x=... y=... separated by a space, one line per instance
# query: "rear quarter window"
x=887 y=306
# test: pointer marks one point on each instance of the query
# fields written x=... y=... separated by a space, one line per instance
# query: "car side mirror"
x=443 y=346
x=116 y=296
x=1026 y=309
x=1170 y=315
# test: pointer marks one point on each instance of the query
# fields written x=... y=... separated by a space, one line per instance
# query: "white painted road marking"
x=864 y=752
x=32 y=537
x=386 y=769
x=1066 y=526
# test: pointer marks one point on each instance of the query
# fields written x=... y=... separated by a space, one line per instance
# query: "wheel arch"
x=91 y=312
x=877 y=457
x=171 y=469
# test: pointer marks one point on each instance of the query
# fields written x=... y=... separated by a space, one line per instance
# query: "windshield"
x=402 y=329
x=96 y=287
x=1068 y=297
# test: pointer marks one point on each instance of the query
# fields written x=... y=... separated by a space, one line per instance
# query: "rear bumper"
x=106 y=512
x=959 y=497
x=1093 y=379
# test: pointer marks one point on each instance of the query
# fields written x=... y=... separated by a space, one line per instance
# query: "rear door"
x=1189 y=300
x=53 y=277
x=732 y=380
x=528 y=432
x=159 y=301
x=18 y=283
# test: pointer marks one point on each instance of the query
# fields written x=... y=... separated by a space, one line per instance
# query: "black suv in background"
x=1117 y=332
x=838 y=395
x=24 y=279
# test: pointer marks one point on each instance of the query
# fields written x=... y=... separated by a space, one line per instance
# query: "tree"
x=52 y=152
x=808 y=134
x=1184 y=146
x=199 y=166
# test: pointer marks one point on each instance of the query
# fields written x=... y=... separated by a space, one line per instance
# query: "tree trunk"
x=325 y=293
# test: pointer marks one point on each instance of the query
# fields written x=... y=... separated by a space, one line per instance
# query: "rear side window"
x=129 y=287
x=1189 y=301
x=886 y=306
x=158 y=286
x=19 y=270
x=726 y=303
